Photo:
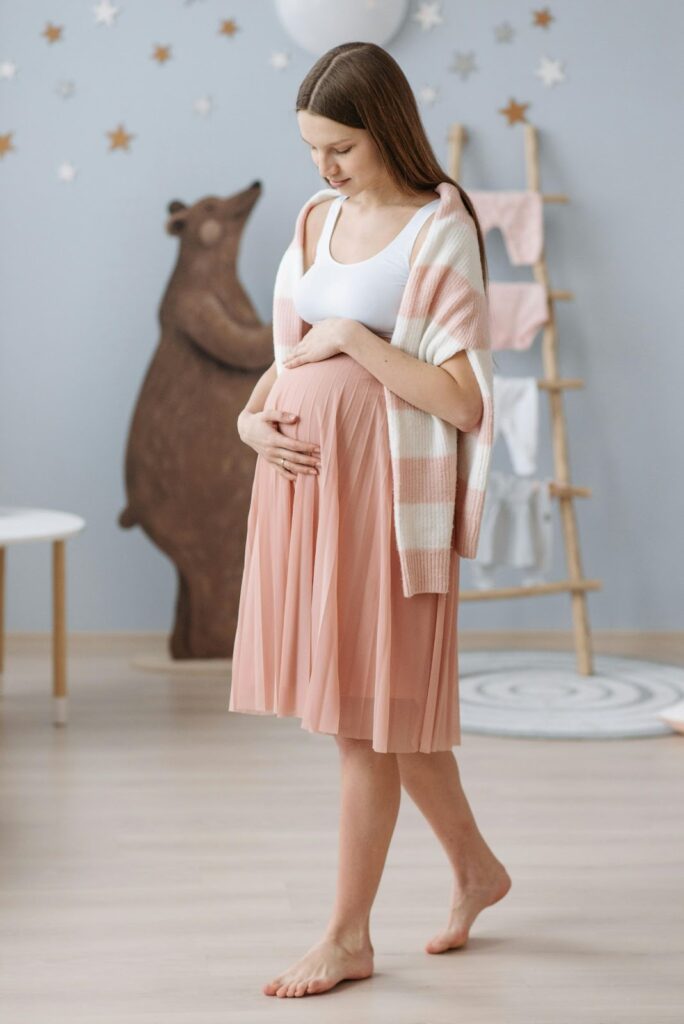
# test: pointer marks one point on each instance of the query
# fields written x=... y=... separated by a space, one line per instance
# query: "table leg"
x=59 y=681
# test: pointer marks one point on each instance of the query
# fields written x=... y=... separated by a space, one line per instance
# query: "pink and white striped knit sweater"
x=439 y=473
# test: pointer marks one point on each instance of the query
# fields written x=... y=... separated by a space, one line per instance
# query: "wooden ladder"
x=561 y=488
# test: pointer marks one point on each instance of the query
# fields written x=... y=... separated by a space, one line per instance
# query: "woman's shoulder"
x=316 y=214
x=314 y=220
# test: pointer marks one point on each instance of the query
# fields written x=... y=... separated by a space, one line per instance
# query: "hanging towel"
x=517 y=310
x=516 y=416
x=518 y=215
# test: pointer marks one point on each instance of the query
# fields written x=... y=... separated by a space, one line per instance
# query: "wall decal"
x=105 y=13
x=428 y=15
x=514 y=111
x=550 y=71
x=542 y=18
x=464 y=64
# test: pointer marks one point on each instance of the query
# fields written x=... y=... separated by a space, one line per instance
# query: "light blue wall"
x=83 y=265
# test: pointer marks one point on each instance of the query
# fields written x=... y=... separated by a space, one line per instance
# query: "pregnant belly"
x=326 y=379
x=329 y=397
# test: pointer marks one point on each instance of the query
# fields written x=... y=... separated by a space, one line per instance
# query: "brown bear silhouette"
x=188 y=475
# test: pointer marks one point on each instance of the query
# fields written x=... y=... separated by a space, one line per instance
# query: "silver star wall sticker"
x=464 y=64
x=428 y=15
x=66 y=171
x=65 y=89
x=279 y=60
x=105 y=13
x=504 y=32
x=8 y=69
x=550 y=71
x=203 y=105
x=428 y=94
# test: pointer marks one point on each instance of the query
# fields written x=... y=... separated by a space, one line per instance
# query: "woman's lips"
x=336 y=183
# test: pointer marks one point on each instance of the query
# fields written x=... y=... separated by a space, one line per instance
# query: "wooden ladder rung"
x=533 y=590
x=560 y=383
x=568 y=491
x=561 y=294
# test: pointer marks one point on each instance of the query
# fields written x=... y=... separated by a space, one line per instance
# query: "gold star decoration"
x=228 y=27
x=52 y=32
x=161 y=54
x=6 y=144
x=542 y=18
x=119 y=138
x=514 y=111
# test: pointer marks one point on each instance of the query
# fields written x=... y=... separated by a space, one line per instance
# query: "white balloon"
x=316 y=25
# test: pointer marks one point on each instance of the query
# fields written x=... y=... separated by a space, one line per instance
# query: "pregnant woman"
x=373 y=430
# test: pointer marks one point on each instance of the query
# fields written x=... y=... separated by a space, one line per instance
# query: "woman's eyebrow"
x=338 y=143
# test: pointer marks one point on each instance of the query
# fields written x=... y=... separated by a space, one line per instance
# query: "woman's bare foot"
x=326 y=963
x=481 y=889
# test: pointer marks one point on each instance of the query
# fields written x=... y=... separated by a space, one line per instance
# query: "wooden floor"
x=161 y=858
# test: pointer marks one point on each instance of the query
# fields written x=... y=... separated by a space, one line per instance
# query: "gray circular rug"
x=541 y=694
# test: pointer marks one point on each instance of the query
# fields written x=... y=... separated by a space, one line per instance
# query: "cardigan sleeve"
x=459 y=302
x=456 y=320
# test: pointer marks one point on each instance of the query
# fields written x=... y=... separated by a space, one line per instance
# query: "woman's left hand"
x=323 y=340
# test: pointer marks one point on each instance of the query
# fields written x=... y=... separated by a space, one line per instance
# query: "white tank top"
x=369 y=290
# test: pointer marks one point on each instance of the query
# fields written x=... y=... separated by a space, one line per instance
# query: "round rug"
x=541 y=694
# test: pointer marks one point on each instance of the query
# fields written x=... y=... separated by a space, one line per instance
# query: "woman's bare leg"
x=433 y=782
x=369 y=805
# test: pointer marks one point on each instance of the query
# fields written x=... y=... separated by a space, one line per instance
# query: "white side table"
x=20 y=526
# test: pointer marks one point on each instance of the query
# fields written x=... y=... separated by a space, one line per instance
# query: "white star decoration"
x=204 y=105
x=65 y=89
x=550 y=71
x=105 y=13
x=464 y=64
x=8 y=69
x=66 y=171
x=279 y=60
x=428 y=94
x=504 y=32
x=428 y=15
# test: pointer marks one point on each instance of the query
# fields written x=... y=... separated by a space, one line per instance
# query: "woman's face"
x=346 y=157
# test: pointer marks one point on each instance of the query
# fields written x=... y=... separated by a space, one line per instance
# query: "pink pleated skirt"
x=324 y=631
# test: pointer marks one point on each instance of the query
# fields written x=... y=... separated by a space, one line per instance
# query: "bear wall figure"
x=188 y=476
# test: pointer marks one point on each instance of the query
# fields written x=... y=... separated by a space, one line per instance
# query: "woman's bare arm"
x=257 y=399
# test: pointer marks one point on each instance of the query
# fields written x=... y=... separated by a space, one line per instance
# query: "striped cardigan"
x=439 y=473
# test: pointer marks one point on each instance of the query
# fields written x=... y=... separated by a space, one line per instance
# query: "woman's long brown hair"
x=362 y=86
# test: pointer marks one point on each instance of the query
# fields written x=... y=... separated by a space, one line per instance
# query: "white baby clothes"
x=516 y=416
x=516 y=529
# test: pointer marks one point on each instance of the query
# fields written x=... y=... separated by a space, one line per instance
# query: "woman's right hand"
x=255 y=430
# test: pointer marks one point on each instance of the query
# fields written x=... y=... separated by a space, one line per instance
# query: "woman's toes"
x=282 y=991
x=291 y=988
x=447 y=940
x=301 y=988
